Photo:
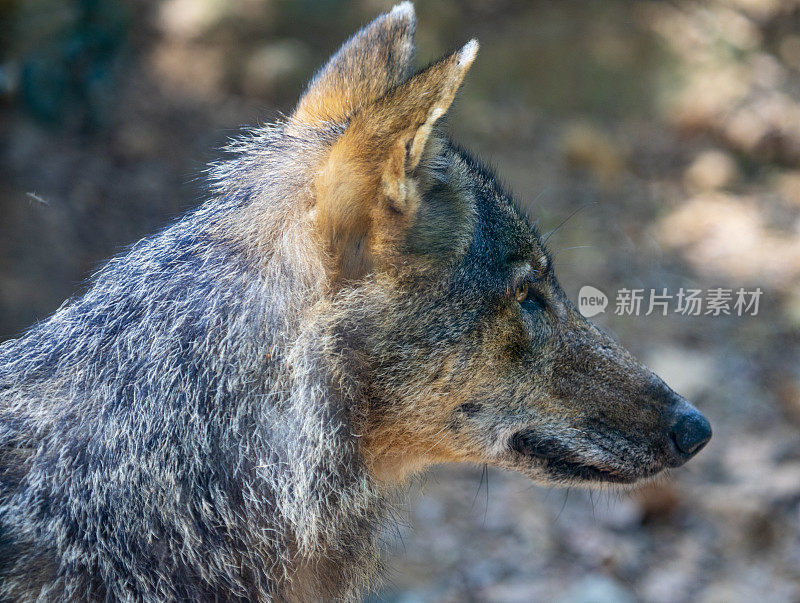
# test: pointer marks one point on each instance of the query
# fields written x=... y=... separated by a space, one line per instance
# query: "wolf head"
x=442 y=305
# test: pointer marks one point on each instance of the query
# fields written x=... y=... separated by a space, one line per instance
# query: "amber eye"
x=522 y=291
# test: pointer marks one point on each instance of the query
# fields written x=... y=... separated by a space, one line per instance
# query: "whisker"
x=444 y=429
x=486 y=508
x=573 y=247
x=483 y=473
x=563 y=506
x=541 y=194
x=567 y=219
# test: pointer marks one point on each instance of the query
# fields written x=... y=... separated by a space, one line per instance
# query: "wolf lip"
x=530 y=444
x=560 y=462
x=585 y=472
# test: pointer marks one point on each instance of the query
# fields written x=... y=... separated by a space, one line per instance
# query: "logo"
x=717 y=301
x=591 y=301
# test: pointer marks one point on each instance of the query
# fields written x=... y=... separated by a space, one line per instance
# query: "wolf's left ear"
x=377 y=57
x=367 y=191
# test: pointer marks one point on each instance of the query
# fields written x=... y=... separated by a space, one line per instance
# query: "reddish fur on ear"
x=366 y=191
x=375 y=59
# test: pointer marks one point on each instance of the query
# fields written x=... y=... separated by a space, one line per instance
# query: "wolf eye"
x=525 y=289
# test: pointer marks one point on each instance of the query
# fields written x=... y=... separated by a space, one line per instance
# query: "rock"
x=189 y=18
x=597 y=588
x=711 y=170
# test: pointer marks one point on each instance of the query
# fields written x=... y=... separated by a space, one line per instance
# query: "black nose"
x=690 y=431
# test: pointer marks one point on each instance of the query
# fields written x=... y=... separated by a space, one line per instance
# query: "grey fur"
x=174 y=433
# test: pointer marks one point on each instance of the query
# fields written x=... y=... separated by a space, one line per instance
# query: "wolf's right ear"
x=370 y=185
x=374 y=60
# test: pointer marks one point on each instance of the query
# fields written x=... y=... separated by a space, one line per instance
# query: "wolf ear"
x=376 y=58
x=367 y=191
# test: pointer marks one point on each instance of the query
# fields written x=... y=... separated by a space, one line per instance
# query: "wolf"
x=226 y=411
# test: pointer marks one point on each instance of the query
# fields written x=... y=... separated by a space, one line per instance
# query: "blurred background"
x=674 y=129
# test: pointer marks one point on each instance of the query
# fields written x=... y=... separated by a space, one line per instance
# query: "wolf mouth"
x=563 y=468
x=563 y=464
